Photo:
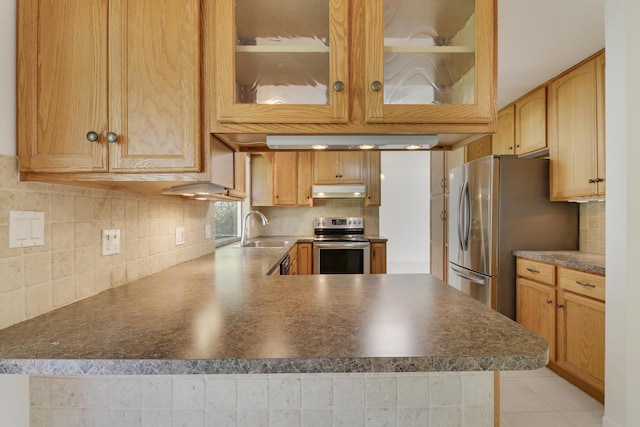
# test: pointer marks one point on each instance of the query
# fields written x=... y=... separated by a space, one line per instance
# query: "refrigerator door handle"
x=477 y=280
x=459 y=224
x=464 y=229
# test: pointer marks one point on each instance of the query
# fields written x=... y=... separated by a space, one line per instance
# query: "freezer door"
x=471 y=215
x=475 y=285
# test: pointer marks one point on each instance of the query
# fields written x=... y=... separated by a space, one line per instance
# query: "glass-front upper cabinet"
x=281 y=61
x=430 y=61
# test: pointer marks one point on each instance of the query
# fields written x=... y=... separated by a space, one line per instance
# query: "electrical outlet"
x=207 y=231
x=110 y=242
x=179 y=236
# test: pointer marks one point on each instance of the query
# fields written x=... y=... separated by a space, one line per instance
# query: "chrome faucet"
x=265 y=221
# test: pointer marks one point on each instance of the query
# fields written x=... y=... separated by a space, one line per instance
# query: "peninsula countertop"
x=221 y=314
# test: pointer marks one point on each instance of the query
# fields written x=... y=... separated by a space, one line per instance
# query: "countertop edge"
x=272 y=366
x=585 y=261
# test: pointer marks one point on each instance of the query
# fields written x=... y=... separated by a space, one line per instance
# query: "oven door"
x=341 y=258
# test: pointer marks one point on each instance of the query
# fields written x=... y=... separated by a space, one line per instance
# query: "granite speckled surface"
x=221 y=314
x=585 y=261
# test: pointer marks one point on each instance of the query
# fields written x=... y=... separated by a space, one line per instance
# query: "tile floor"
x=541 y=398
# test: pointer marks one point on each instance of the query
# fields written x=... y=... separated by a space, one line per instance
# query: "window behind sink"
x=228 y=221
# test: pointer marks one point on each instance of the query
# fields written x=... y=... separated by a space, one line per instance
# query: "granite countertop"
x=585 y=261
x=221 y=314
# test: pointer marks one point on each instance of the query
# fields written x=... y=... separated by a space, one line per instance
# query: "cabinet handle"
x=510 y=148
x=443 y=183
x=560 y=306
x=599 y=179
x=376 y=86
x=92 y=136
x=112 y=137
x=443 y=215
x=584 y=284
x=592 y=181
x=549 y=301
x=532 y=270
x=338 y=86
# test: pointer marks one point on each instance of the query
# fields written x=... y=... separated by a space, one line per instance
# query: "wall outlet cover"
x=110 y=242
x=179 y=236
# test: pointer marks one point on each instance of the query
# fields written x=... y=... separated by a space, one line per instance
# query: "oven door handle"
x=341 y=245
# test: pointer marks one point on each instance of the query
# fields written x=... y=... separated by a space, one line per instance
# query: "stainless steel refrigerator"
x=499 y=204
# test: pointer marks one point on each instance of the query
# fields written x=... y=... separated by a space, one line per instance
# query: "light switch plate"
x=110 y=242
x=179 y=236
x=26 y=229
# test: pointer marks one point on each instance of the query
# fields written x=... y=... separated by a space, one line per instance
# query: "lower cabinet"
x=305 y=258
x=378 y=258
x=566 y=307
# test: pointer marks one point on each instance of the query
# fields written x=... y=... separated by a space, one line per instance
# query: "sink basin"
x=266 y=244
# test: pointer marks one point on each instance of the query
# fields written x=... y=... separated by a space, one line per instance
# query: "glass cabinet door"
x=281 y=61
x=430 y=61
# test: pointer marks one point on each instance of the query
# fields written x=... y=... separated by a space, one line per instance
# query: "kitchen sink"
x=265 y=244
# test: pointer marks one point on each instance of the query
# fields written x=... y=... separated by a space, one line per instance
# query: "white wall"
x=404 y=214
x=622 y=370
x=14 y=389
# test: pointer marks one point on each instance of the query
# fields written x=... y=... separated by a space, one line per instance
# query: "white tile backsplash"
x=307 y=400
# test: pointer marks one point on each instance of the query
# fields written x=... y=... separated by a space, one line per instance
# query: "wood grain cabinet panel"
x=536 y=310
x=503 y=141
x=109 y=86
x=576 y=132
x=378 y=261
x=531 y=122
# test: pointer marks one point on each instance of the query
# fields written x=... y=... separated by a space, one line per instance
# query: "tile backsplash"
x=69 y=266
x=592 y=227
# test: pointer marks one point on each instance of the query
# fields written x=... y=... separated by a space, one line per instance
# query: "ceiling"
x=539 y=39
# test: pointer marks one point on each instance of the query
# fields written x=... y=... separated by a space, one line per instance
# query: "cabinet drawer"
x=582 y=283
x=535 y=270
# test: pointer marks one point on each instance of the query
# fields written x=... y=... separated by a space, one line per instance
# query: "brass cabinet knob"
x=376 y=86
x=338 y=86
x=92 y=136
x=549 y=301
x=112 y=137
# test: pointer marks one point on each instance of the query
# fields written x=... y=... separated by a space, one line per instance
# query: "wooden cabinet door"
x=503 y=141
x=372 y=170
x=600 y=112
x=478 y=149
x=449 y=81
x=573 y=133
x=438 y=236
x=536 y=310
x=351 y=167
x=338 y=167
x=305 y=258
x=303 y=78
x=531 y=122
x=154 y=85
x=581 y=323
x=285 y=178
x=62 y=85
x=378 y=257
x=305 y=197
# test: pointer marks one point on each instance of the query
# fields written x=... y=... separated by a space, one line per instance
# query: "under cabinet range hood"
x=352 y=142
x=338 y=191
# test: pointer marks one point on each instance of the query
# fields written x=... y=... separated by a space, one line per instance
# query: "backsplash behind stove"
x=298 y=221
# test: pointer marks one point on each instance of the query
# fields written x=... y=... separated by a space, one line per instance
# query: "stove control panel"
x=338 y=223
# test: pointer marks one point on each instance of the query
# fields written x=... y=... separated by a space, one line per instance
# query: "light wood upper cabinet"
x=372 y=170
x=285 y=179
x=125 y=71
x=531 y=122
x=576 y=132
x=358 y=66
x=338 y=167
x=503 y=141
x=281 y=178
x=478 y=148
